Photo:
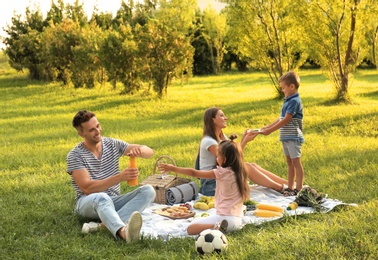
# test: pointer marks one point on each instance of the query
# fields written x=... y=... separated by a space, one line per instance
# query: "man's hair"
x=290 y=78
x=81 y=117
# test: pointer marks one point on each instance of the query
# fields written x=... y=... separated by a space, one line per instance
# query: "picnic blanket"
x=157 y=226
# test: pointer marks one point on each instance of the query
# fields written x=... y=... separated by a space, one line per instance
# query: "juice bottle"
x=132 y=164
x=292 y=206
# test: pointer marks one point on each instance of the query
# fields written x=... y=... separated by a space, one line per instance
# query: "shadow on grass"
x=226 y=81
x=349 y=125
x=19 y=81
x=372 y=95
x=369 y=76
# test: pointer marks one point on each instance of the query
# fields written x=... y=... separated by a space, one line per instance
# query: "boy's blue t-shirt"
x=293 y=130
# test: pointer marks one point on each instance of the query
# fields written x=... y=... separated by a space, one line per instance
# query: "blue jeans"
x=115 y=211
x=207 y=187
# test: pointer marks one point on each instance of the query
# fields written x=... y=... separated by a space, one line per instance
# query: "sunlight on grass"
x=339 y=158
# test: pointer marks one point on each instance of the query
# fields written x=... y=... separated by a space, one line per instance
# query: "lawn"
x=339 y=158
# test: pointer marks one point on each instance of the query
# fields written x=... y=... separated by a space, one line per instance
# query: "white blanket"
x=156 y=226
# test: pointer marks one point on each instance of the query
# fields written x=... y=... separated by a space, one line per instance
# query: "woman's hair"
x=208 y=124
x=81 y=116
x=234 y=159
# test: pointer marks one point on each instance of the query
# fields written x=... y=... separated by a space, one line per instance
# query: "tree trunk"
x=348 y=54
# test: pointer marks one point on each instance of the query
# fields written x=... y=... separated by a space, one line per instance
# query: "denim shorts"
x=292 y=149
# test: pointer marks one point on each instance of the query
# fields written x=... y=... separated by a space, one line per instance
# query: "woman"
x=214 y=122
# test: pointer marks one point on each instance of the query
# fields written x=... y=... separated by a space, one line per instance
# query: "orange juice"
x=132 y=164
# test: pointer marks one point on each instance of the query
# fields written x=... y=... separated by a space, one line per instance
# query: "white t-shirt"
x=208 y=160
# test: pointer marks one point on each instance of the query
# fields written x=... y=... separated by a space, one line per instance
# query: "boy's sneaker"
x=90 y=227
x=133 y=227
x=222 y=226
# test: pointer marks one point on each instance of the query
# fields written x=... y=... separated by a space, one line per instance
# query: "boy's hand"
x=265 y=131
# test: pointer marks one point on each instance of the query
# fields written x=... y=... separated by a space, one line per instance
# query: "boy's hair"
x=81 y=117
x=235 y=160
x=290 y=78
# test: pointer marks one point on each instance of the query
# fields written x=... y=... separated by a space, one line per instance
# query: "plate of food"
x=175 y=212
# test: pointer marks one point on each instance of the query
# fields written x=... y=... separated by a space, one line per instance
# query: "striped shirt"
x=108 y=164
x=292 y=131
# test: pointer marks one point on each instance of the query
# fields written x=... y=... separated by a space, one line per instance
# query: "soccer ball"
x=211 y=240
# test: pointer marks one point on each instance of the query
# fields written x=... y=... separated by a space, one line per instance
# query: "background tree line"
x=148 y=44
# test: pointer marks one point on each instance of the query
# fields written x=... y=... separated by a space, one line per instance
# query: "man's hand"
x=129 y=174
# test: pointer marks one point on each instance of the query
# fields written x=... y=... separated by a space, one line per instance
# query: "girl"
x=232 y=188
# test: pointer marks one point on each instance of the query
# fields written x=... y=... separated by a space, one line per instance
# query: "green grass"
x=339 y=158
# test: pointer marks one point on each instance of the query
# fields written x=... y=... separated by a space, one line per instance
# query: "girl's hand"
x=163 y=167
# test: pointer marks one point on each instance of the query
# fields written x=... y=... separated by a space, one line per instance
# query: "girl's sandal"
x=289 y=192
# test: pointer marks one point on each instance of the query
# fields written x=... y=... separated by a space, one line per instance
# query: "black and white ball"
x=210 y=241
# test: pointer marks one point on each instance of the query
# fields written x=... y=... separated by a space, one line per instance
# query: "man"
x=95 y=176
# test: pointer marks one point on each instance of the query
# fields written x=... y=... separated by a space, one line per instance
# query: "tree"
x=214 y=31
x=164 y=43
x=202 y=60
x=370 y=25
x=167 y=53
x=57 y=47
x=269 y=33
x=22 y=43
x=336 y=34
x=86 y=65
x=119 y=57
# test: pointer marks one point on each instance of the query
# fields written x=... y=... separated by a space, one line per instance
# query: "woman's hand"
x=249 y=135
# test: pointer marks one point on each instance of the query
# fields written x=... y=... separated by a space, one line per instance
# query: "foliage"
x=167 y=53
x=268 y=35
x=57 y=50
x=86 y=66
x=269 y=32
x=22 y=42
x=164 y=43
x=202 y=64
x=339 y=26
x=370 y=27
x=118 y=53
x=214 y=32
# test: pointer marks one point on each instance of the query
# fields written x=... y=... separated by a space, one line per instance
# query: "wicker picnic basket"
x=161 y=185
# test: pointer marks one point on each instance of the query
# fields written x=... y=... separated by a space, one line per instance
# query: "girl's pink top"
x=228 y=200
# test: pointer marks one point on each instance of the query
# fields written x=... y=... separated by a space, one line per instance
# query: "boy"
x=291 y=135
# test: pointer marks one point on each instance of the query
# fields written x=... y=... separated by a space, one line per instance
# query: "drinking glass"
x=162 y=172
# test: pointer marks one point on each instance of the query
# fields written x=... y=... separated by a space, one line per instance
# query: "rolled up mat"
x=182 y=193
